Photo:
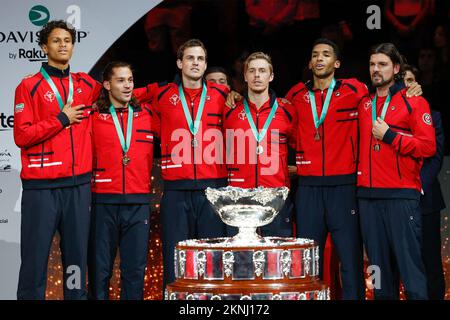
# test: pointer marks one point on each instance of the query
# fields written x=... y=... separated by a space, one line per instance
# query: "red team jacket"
x=331 y=160
x=184 y=166
x=53 y=153
x=114 y=182
x=394 y=171
x=246 y=168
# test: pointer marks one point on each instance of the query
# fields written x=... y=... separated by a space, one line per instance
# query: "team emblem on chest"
x=242 y=115
x=104 y=116
x=174 y=99
x=306 y=97
x=49 y=96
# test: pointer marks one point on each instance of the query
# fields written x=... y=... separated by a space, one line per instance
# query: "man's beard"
x=382 y=83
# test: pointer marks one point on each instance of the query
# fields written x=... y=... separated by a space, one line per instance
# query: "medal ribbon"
x=193 y=127
x=383 y=111
x=312 y=98
x=260 y=135
x=125 y=145
x=55 y=90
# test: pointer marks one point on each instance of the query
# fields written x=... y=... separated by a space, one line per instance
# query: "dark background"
x=230 y=33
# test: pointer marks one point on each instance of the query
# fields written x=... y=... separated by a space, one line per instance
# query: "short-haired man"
x=327 y=137
x=190 y=115
x=52 y=126
x=257 y=134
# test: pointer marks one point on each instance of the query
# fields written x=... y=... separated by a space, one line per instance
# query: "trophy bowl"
x=247 y=209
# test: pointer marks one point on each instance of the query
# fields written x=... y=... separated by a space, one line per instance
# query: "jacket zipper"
x=71 y=133
x=192 y=146
x=398 y=152
x=370 y=161
x=353 y=150
x=257 y=155
x=123 y=154
x=42 y=156
x=323 y=138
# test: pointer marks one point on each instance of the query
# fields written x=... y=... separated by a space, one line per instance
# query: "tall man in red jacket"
x=257 y=134
x=396 y=133
x=327 y=135
x=122 y=160
x=52 y=126
x=190 y=115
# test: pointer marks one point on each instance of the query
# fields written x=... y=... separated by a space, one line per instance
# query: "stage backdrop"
x=99 y=23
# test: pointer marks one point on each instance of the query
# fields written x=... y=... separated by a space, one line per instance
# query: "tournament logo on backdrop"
x=23 y=42
x=39 y=15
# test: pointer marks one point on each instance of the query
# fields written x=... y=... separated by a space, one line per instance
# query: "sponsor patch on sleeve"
x=19 y=107
x=426 y=117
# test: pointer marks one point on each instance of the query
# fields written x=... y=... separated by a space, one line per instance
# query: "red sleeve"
x=292 y=134
x=290 y=95
x=156 y=118
x=95 y=86
x=422 y=142
x=146 y=94
x=96 y=91
x=27 y=130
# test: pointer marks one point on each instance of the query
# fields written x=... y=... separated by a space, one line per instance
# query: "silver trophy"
x=247 y=209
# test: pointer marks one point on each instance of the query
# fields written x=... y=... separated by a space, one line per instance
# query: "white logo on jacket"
x=174 y=99
x=306 y=97
x=49 y=96
x=104 y=116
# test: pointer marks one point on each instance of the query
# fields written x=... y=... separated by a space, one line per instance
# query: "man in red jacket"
x=52 y=126
x=257 y=134
x=326 y=162
x=122 y=159
x=396 y=133
x=190 y=115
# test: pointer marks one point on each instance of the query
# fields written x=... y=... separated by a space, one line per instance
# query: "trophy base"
x=217 y=269
x=257 y=291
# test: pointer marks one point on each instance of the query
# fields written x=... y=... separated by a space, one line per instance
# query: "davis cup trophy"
x=247 y=266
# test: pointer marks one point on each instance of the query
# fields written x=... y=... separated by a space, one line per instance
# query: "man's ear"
x=337 y=64
x=179 y=64
x=107 y=85
x=44 y=48
x=271 y=77
x=396 y=68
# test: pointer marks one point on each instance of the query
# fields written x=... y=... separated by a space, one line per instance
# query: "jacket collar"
x=136 y=108
x=272 y=97
x=394 y=89
x=55 y=72
x=310 y=84
x=177 y=80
